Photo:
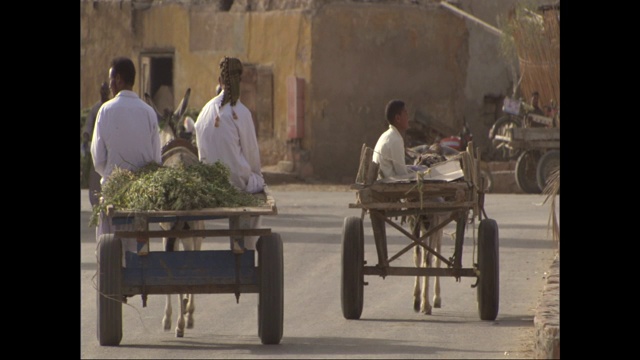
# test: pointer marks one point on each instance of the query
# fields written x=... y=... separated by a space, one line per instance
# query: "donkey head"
x=170 y=121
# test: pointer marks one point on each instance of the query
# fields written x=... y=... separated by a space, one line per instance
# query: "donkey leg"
x=166 y=319
x=437 y=242
x=416 y=282
x=180 y=322
x=197 y=246
x=190 y=244
x=169 y=245
x=425 y=307
x=416 y=262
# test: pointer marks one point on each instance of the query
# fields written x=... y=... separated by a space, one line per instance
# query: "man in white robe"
x=125 y=135
x=225 y=132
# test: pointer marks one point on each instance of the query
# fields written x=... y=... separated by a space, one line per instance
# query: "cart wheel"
x=549 y=162
x=526 y=167
x=109 y=295
x=500 y=135
x=271 y=280
x=488 y=263
x=352 y=287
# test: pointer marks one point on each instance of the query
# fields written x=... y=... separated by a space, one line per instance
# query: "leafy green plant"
x=158 y=187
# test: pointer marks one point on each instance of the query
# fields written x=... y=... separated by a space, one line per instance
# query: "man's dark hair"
x=124 y=67
x=394 y=107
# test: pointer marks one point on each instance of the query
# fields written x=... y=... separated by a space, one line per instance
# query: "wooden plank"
x=269 y=208
x=535 y=134
x=191 y=233
x=415 y=271
x=538 y=144
x=161 y=289
x=188 y=269
x=445 y=206
x=363 y=166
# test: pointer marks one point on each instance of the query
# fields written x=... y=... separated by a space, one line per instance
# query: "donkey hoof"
x=179 y=333
x=427 y=311
x=190 y=324
x=166 y=324
x=416 y=305
x=437 y=303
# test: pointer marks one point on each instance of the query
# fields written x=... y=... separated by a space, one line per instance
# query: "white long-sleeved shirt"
x=233 y=142
x=125 y=135
x=389 y=154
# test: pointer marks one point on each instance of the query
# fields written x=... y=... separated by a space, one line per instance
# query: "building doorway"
x=156 y=79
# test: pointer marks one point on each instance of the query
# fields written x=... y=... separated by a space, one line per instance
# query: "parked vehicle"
x=518 y=114
x=532 y=138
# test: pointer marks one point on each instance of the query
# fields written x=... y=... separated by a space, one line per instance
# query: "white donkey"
x=422 y=258
x=178 y=150
x=425 y=259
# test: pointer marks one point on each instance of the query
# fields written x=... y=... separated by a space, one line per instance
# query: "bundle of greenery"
x=185 y=187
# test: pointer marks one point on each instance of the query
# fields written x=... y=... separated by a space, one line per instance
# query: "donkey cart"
x=191 y=272
x=451 y=189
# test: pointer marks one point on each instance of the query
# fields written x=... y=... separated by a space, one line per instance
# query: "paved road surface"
x=310 y=224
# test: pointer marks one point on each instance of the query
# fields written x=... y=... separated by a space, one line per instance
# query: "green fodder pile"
x=157 y=187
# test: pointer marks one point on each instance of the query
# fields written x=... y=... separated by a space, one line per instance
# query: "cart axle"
x=413 y=271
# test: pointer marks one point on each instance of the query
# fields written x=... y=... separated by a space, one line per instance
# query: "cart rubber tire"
x=548 y=163
x=488 y=263
x=271 y=285
x=109 y=294
x=526 y=168
x=502 y=148
x=352 y=281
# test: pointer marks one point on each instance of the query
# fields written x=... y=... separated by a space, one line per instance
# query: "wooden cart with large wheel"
x=539 y=156
x=463 y=199
x=196 y=272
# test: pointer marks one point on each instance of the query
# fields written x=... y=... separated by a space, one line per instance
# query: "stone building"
x=318 y=73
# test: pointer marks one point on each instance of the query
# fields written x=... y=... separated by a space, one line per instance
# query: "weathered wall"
x=198 y=35
x=105 y=30
x=354 y=56
x=366 y=54
x=490 y=75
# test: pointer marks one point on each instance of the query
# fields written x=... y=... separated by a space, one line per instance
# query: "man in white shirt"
x=389 y=152
x=225 y=132
x=125 y=134
x=389 y=155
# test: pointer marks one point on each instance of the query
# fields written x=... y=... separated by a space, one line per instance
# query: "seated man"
x=389 y=150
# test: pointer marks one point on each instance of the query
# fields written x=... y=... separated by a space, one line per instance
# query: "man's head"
x=122 y=75
x=104 y=91
x=230 y=76
x=535 y=98
x=397 y=115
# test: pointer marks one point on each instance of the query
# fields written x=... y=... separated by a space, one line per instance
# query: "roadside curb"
x=547 y=317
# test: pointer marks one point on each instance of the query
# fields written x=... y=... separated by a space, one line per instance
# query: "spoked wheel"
x=109 y=296
x=271 y=281
x=352 y=282
x=526 y=168
x=500 y=135
x=549 y=162
x=488 y=263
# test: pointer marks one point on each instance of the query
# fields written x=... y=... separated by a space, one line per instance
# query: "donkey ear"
x=182 y=107
x=149 y=101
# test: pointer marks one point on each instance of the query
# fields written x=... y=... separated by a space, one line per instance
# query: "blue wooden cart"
x=197 y=272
